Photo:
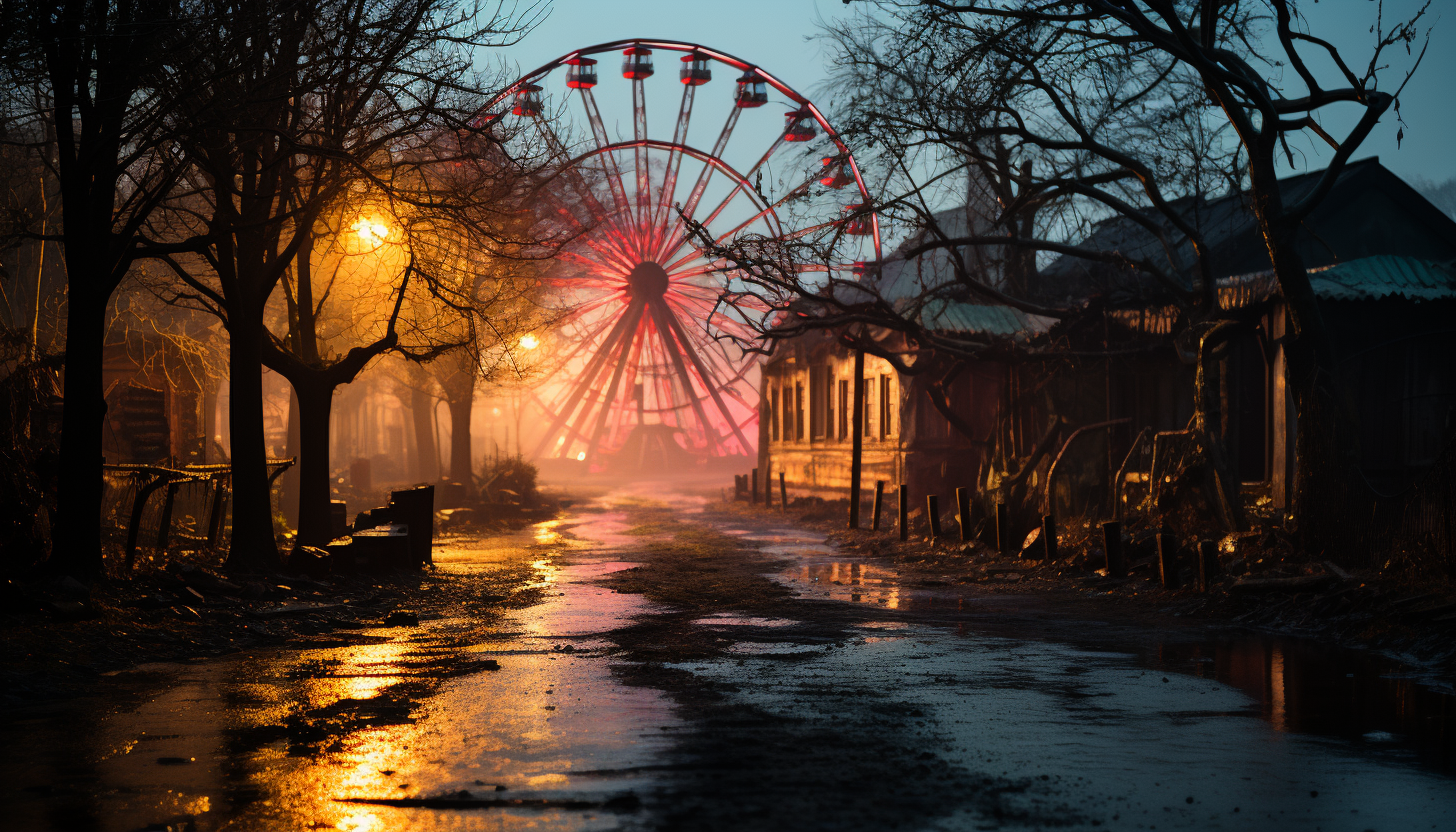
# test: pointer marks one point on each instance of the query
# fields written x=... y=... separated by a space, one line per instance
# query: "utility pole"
x=856 y=456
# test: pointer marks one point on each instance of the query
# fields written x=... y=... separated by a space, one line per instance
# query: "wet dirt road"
x=670 y=679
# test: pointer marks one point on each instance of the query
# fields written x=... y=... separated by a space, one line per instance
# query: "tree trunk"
x=460 y=453
x=422 y=404
x=288 y=494
x=314 y=494
x=253 y=543
x=77 y=544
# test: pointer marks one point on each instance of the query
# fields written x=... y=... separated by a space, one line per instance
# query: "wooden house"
x=1090 y=392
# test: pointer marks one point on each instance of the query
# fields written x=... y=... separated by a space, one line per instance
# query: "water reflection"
x=853 y=581
x=274 y=740
x=1306 y=687
x=1300 y=686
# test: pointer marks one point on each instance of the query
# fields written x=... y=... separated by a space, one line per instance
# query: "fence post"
x=783 y=493
x=932 y=507
x=754 y=497
x=1167 y=558
x=1112 y=544
x=963 y=513
x=1207 y=564
x=904 y=512
x=164 y=526
x=219 y=504
x=1049 y=535
x=879 y=502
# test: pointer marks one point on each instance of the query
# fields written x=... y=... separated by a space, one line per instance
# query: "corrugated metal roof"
x=1368 y=278
x=980 y=319
x=1373 y=278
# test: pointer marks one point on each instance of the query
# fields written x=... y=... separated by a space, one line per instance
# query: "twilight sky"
x=778 y=35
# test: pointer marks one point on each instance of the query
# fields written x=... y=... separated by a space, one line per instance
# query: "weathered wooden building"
x=1093 y=392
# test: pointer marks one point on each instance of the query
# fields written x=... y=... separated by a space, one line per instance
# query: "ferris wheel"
x=648 y=351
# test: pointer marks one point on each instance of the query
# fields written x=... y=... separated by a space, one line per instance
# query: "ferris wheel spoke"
x=702 y=305
x=643 y=214
x=804 y=232
x=663 y=317
x=768 y=209
x=609 y=400
x=587 y=339
x=708 y=380
x=589 y=376
x=696 y=196
x=599 y=269
x=583 y=230
x=737 y=188
x=634 y=369
x=613 y=173
x=683 y=277
x=674 y=162
x=561 y=155
x=592 y=305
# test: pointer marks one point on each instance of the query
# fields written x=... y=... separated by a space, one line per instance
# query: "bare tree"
x=89 y=88
x=1071 y=113
x=306 y=104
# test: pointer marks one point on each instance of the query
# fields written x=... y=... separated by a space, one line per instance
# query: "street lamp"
x=372 y=230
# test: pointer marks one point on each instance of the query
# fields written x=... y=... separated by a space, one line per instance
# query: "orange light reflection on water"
x=852 y=582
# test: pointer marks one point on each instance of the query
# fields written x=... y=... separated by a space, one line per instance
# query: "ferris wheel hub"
x=647 y=280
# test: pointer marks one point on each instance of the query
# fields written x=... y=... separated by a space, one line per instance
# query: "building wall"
x=807 y=411
x=907 y=441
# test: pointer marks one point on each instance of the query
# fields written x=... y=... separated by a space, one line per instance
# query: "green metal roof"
x=1384 y=275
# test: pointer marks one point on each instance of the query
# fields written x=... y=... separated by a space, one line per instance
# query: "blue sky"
x=778 y=35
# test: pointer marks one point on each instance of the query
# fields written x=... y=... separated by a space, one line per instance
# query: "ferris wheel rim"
x=489 y=111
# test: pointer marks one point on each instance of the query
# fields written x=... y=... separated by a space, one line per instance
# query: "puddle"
x=1298 y=686
x=761 y=649
x=274 y=740
x=1082 y=739
x=730 y=620
x=845 y=580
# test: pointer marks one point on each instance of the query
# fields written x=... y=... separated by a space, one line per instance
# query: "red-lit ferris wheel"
x=649 y=351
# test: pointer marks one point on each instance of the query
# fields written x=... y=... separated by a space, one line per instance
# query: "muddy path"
x=652 y=661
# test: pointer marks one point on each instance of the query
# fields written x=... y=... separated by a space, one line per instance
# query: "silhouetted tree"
x=1089 y=110
x=305 y=108
x=89 y=86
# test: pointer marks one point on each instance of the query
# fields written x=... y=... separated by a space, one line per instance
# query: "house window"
x=773 y=410
x=843 y=408
x=798 y=410
x=818 y=424
x=869 y=398
x=887 y=404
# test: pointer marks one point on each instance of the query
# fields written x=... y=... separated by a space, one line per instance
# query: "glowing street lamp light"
x=372 y=230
